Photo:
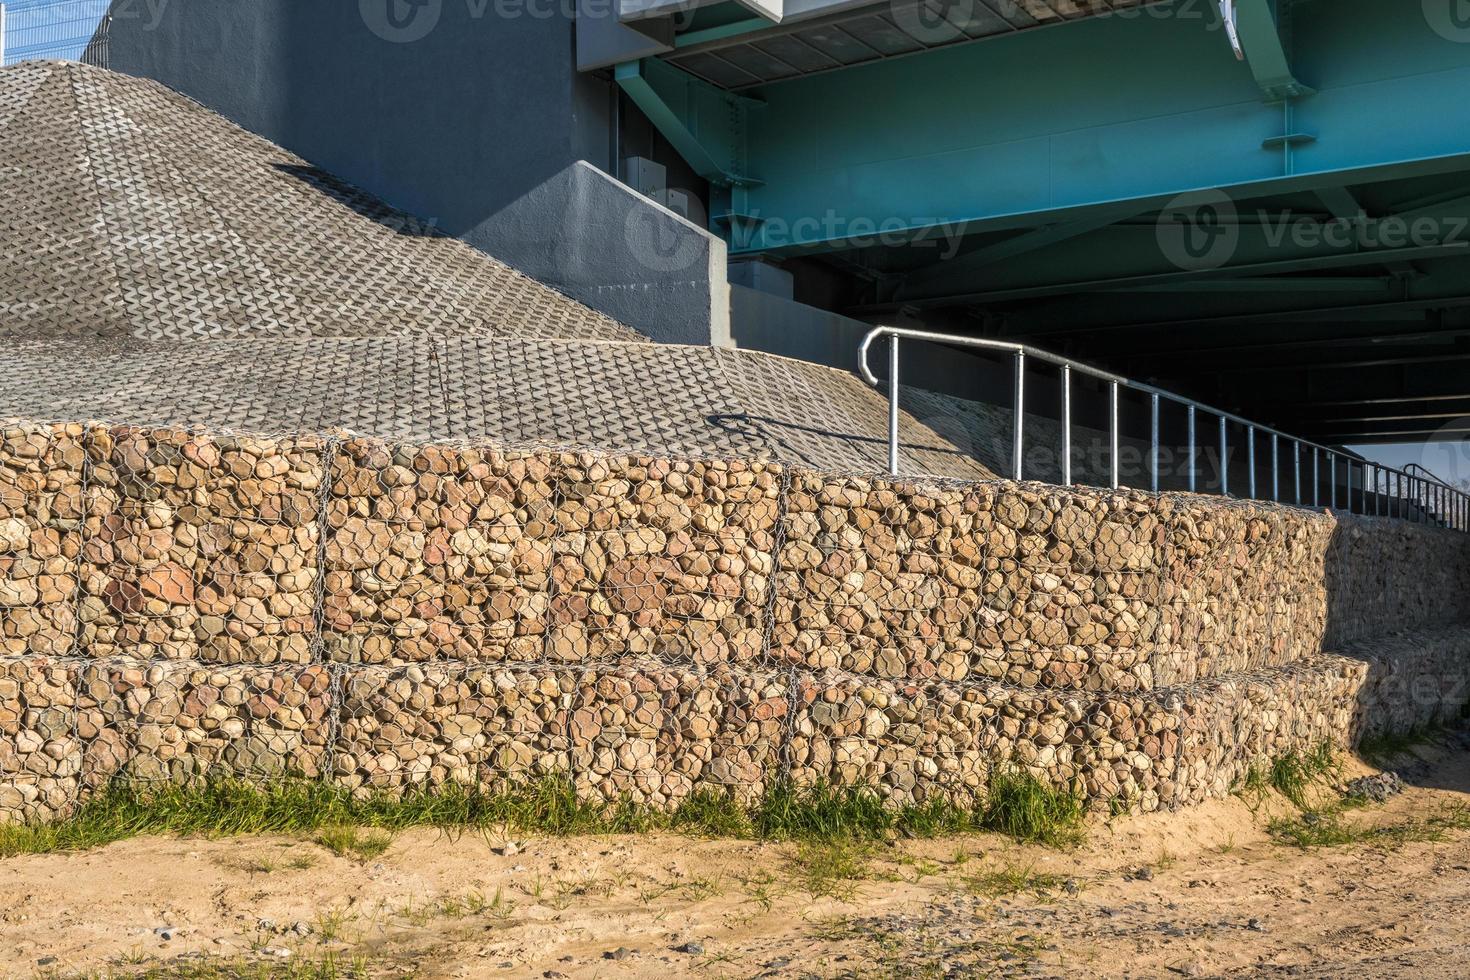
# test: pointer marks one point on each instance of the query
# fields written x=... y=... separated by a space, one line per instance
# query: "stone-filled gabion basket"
x=391 y=617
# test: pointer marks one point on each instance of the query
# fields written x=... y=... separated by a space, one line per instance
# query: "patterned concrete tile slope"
x=159 y=265
x=655 y=398
x=130 y=213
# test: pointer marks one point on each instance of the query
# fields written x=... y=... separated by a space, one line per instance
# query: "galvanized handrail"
x=1433 y=500
x=1429 y=474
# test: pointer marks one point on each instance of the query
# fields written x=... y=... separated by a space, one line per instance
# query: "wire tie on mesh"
x=778 y=543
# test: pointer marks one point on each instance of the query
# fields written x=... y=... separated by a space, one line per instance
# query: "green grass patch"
x=328 y=966
x=822 y=813
x=349 y=841
x=1295 y=775
x=1332 y=828
x=1011 y=879
x=1021 y=806
x=832 y=868
x=361 y=826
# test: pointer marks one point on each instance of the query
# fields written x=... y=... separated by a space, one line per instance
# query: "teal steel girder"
x=1260 y=34
x=706 y=125
x=1039 y=128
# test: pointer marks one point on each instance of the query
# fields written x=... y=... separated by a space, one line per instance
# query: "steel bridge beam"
x=1036 y=129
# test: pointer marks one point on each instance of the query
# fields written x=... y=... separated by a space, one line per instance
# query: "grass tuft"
x=821 y=813
x=1010 y=879
x=1294 y=775
x=830 y=868
x=349 y=841
x=1021 y=806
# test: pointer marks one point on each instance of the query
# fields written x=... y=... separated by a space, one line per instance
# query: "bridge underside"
x=1285 y=234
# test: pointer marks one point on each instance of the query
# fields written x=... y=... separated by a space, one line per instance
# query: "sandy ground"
x=1218 y=897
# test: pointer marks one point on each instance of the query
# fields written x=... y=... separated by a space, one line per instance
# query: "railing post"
x=1296 y=466
x=1275 y=469
x=1332 y=478
x=1113 y=432
x=1350 y=485
x=1316 y=477
x=1224 y=460
x=1250 y=459
x=1193 y=453
x=1066 y=425
x=1153 y=443
x=1020 y=420
x=893 y=404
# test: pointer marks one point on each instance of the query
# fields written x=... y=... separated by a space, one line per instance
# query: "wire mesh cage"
x=392 y=616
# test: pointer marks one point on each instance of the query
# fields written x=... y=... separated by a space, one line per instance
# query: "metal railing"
x=1379 y=490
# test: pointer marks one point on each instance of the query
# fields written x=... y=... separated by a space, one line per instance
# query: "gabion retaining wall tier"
x=390 y=615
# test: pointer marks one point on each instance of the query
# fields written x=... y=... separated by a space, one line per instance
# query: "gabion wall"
x=382 y=615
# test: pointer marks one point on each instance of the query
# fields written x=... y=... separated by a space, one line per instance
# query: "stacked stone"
x=437 y=553
x=1233 y=723
x=1414 y=679
x=654 y=734
x=1032 y=585
x=654 y=627
x=429 y=725
x=911 y=743
x=1243 y=586
x=1387 y=575
x=40 y=522
x=1151 y=750
x=168 y=720
x=200 y=546
x=40 y=757
x=663 y=559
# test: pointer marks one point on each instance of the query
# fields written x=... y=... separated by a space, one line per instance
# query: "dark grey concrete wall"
x=601 y=242
x=463 y=112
